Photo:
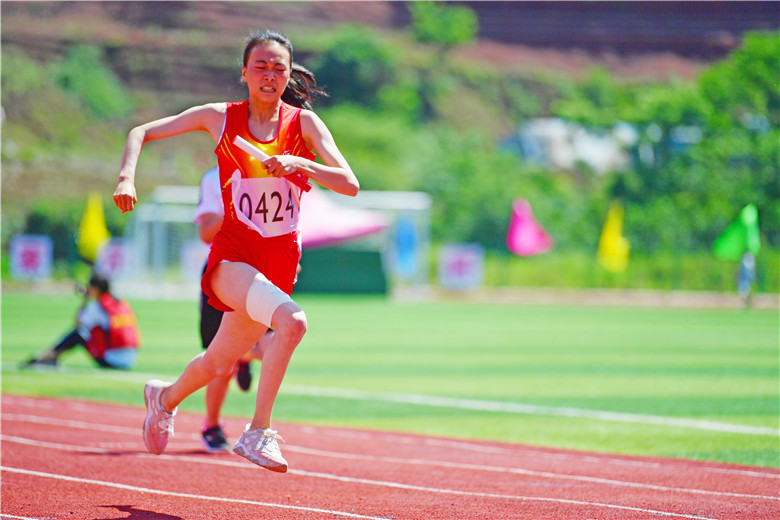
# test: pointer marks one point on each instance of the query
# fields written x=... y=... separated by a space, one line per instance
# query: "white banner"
x=461 y=266
x=31 y=257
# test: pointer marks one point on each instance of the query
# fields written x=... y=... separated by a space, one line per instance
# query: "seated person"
x=107 y=327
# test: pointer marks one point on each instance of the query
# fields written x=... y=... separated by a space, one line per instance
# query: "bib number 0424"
x=277 y=210
x=267 y=204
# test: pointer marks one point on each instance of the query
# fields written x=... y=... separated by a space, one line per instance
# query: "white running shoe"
x=158 y=425
x=260 y=447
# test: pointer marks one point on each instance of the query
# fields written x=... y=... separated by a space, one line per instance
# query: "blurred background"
x=548 y=145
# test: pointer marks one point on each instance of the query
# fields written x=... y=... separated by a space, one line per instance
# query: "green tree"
x=355 y=66
x=445 y=26
x=746 y=87
x=83 y=74
x=704 y=149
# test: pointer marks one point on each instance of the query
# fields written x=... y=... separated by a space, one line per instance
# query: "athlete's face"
x=267 y=70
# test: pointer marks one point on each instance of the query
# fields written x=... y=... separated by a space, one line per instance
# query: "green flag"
x=740 y=236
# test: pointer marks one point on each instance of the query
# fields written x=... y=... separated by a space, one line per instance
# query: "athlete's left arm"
x=335 y=173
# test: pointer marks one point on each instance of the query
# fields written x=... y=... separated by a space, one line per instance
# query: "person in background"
x=251 y=270
x=746 y=275
x=208 y=218
x=105 y=326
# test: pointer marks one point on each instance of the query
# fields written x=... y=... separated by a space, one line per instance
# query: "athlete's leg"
x=260 y=347
x=289 y=325
x=287 y=320
x=236 y=335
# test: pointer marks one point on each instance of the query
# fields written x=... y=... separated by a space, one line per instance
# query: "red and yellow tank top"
x=252 y=198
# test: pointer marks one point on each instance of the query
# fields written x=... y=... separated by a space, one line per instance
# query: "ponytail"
x=301 y=88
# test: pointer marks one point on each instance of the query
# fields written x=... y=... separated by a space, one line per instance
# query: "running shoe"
x=244 y=375
x=260 y=446
x=214 y=440
x=158 y=425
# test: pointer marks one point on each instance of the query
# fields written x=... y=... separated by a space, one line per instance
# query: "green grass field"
x=675 y=379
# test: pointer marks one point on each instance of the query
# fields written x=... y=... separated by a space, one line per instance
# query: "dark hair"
x=99 y=282
x=302 y=86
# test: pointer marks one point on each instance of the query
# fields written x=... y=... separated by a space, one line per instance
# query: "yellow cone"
x=613 y=246
x=93 y=234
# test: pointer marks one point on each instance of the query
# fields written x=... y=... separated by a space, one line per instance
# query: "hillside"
x=174 y=54
x=147 y=41
x=57 y=146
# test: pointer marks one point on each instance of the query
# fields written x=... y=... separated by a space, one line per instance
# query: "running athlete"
x=251 y=268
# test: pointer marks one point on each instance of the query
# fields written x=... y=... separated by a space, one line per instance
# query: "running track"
x=80 y=460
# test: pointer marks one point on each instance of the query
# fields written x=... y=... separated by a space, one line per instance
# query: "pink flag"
x=526 y=237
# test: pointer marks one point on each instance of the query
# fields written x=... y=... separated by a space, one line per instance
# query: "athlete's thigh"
x=230 y=283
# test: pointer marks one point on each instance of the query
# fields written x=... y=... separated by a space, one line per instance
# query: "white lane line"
x=398 y=438
x=5 y=515
x=92 y=408
x=528 y=409
x=70 y=423
x=52 y=421
x=497 y=495
x=351 y=480
x=392 y=460
x=339 y=514
x=528 y=472
x=480 y=405
x=515 y=450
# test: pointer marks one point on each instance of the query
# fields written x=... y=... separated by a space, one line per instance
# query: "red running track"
x=80 y=460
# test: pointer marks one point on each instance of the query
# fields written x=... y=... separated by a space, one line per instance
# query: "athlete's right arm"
x=208 y=118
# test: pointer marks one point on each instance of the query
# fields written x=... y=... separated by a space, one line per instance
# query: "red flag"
x=526 y=237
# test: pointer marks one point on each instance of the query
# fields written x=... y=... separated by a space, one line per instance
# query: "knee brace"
x=263 y=298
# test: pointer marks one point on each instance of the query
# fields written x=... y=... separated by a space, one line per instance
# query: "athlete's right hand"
x=124 y=195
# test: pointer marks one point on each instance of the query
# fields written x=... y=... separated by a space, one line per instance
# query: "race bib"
x=268 y=204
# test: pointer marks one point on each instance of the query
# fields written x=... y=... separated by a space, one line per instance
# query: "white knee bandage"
x=263 y=298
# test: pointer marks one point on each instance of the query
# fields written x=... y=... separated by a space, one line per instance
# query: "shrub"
x=83 y=74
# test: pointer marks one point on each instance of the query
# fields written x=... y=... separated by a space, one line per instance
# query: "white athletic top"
x=210 y=195
x=91 y=316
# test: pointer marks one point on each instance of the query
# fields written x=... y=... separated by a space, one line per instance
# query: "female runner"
x=251 y=269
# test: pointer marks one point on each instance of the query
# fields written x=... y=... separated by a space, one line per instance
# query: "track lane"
x=373 y=473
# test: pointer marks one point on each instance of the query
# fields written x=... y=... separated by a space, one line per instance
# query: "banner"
x=461 y=266
x=31 y=257
x=115 y=259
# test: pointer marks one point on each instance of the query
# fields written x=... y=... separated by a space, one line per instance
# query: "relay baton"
x=257 y=153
